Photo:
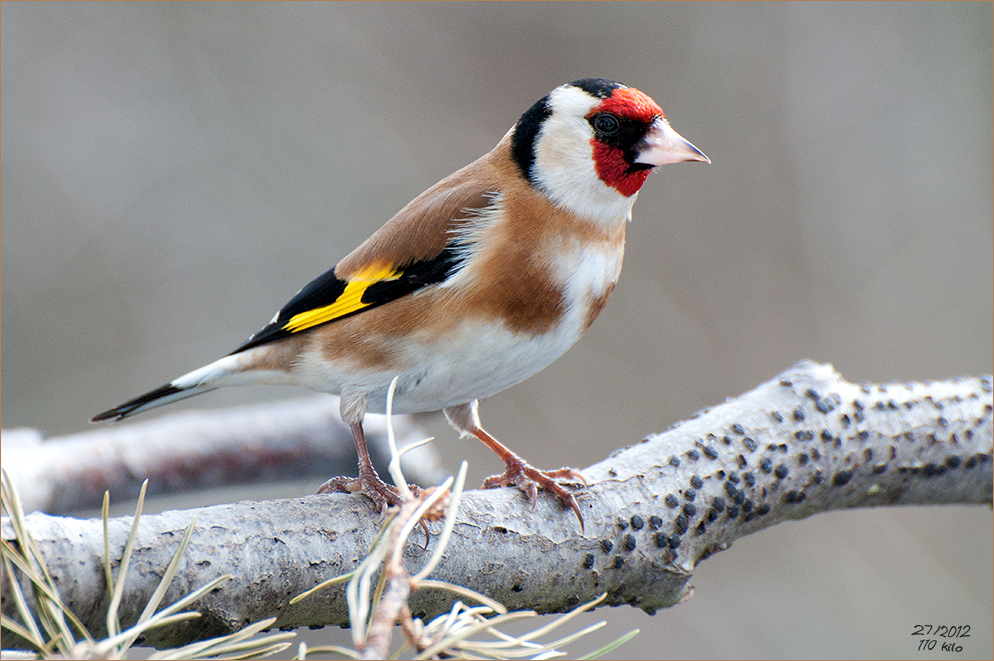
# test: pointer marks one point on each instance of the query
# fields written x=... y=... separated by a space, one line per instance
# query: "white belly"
x=483 y=364
x=474 y=362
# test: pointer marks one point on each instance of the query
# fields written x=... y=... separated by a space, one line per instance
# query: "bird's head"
x=589 y=145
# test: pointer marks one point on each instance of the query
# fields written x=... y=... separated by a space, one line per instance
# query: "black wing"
x=329 y=298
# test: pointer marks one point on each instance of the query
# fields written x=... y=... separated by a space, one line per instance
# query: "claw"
x=382 y=494
x=464 y=418
x=529 y=479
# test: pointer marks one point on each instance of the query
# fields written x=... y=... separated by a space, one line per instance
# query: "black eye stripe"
x=625 y=133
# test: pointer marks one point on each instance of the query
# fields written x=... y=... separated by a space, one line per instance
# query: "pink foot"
x=529 y=479
x=370 y=485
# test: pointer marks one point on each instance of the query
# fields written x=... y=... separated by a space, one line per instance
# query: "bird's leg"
x=528 y=478
x=369 y=483
x=518 y=473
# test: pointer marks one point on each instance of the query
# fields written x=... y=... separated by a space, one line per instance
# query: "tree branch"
x=197 y=450
x=803 y=443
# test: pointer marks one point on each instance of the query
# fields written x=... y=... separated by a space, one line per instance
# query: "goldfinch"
x=478 y=283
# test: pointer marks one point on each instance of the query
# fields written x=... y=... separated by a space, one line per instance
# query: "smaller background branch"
x=296 y=441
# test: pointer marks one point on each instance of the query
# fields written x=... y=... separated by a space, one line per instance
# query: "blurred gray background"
x=172 y=173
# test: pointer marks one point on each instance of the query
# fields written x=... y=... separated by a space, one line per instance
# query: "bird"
x=476 y=284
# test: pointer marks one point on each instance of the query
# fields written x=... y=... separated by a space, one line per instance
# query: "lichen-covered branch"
x=803 y=443
x=198 y=450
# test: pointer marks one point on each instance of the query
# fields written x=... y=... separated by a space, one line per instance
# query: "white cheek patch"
x=564 y=163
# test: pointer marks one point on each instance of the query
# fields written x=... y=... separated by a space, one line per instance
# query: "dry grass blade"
x=444 y=622
x=167 y=576
x=117 y=643
x=463 y=628
x=610 y=647
x=511 y=647
x=50 y=610
x=29 y=630
x=190 y=598
x=357 y=590
x=54 y=615
x=407 y=526
x=563 y=619
x=322 y=585
x=18 y=629
x=105 y=517
x=116 y=646
x=394 y=466
x=479 y=598
x=525 y=643
x=452 y=633
x=259 y=653
x=237 y=645
x=113 y=623
x=345 y=652
x=450 y=522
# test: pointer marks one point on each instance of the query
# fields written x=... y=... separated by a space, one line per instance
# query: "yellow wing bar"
x=348 y=302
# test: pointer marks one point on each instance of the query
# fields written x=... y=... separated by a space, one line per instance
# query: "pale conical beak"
x=664 y=145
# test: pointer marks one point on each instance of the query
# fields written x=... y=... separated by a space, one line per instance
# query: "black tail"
x=167 y=394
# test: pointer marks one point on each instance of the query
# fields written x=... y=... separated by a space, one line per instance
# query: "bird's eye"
x=606 y=124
